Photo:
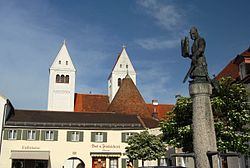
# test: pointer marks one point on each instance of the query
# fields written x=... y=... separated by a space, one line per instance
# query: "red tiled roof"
x=129 y=100
x=161 y=109
x=91 y=102
x=231 y=69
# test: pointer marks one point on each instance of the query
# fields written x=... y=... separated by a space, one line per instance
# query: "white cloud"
x=154 y=43
x=166 y=15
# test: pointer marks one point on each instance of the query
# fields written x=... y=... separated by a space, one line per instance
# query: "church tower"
x=61 y=82
x=122 y=67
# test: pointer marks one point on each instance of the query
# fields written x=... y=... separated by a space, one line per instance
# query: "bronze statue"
x=198 y=70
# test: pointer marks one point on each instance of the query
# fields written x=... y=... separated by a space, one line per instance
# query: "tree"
x=145 y=146
x=231 y=116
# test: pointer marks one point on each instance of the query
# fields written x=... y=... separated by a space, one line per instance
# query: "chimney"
x=155 y=113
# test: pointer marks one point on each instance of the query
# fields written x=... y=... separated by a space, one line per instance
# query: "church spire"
x=122 y=67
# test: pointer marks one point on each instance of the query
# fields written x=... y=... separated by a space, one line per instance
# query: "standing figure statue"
x=198 y=70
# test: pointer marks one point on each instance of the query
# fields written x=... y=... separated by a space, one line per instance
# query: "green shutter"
x=43 y=135
x=105 y=137
x=124 y=163
x=81 y=137
x=123 y=137
x=19 y=134
x=69 y=133
x=5 y=135
x=25 y=133
x=37 y=134
x=92 y=136
x=135 y=163
x=55 y=135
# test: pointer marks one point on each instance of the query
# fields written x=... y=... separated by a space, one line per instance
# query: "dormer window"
x=244 y=70
x=120 y=65
x=60 y=61
x=67 y=62
x=127 y=66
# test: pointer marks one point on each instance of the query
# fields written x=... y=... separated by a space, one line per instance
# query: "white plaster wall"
x=61 y=150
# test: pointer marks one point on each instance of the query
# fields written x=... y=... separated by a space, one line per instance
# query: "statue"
x=198 y=70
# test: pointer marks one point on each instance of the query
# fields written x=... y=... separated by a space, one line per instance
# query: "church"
x=79 y=130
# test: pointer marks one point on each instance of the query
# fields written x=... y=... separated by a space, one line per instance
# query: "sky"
x=32 y=32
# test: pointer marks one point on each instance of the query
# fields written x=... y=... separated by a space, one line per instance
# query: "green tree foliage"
x=231 y=115
x=145 y=146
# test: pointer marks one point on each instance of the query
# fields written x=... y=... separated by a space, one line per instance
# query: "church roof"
x=128 y=100
x=91 y=102
x=71 y=120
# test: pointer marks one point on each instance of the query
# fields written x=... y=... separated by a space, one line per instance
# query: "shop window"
x=126 y=161
x=98 y=136
x=113 y=163
x=74 y=136
x=126 y=135
x=119 y=82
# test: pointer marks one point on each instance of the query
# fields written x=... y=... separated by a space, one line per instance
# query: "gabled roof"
x=128 y=100
x=91 y=102
x=71 y=120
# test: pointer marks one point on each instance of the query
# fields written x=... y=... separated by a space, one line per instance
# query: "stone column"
x=203 y=124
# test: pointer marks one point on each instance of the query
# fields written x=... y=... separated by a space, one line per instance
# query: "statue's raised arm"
x=198 y=69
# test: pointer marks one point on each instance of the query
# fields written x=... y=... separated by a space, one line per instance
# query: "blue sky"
x=32 y=32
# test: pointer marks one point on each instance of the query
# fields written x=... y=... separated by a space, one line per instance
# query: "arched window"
x=119 y=82
x=67 y=79
x=57 y=78
x=62 y=79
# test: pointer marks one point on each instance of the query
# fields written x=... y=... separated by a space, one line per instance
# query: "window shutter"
x=5 y=136
x=123 y=137
x=55 y=135
x=124 y=163
x=19 y=134
x=81 y=137
x=135 y=163
x=43 y=135
x=25 y=133
x=105 y=137
x=69 y=133
x=37 y=134
x=92 y=136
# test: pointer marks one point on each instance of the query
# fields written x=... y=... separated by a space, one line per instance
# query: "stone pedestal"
x=203 y=124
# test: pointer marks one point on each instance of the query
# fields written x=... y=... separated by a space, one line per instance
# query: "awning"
x=105 y=154
x=32 y=155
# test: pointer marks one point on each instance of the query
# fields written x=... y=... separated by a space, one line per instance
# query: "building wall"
x=61 y=149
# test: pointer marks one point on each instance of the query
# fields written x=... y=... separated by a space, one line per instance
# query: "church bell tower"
x=121 y=69
x=61 y=82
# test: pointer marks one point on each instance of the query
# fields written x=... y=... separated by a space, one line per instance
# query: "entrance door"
x=98 y=162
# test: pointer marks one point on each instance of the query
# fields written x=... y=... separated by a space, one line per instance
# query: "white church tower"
x=122 y=67
x=61 y=82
